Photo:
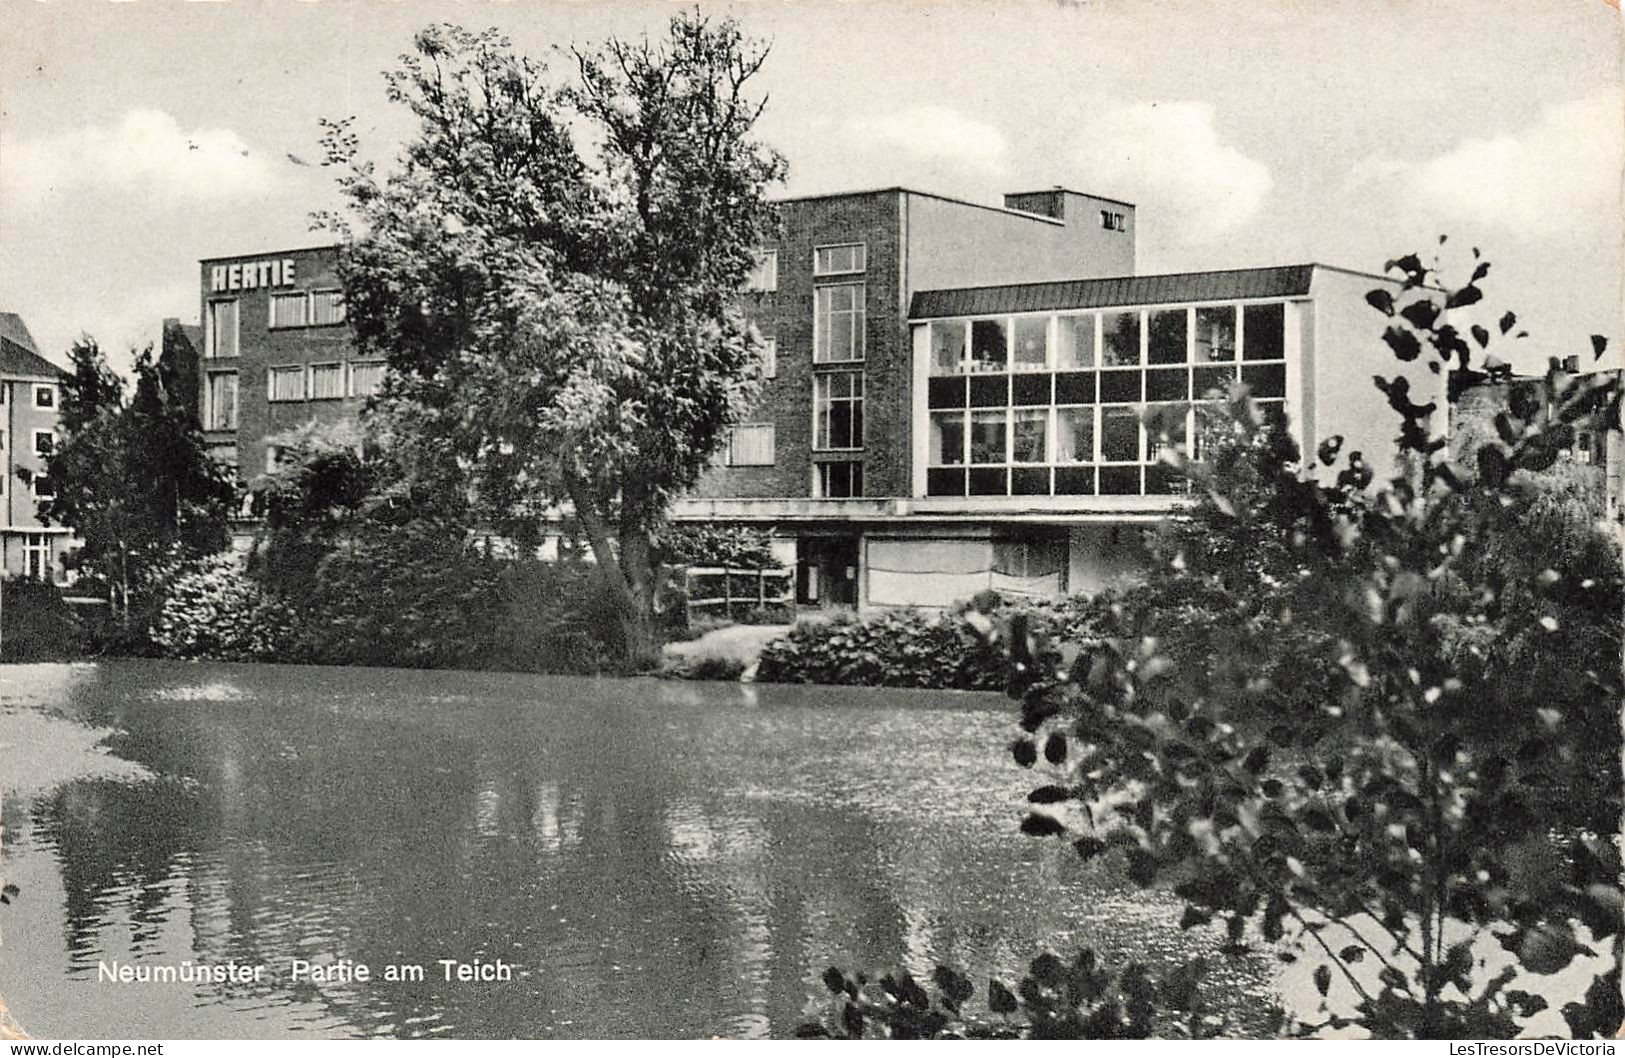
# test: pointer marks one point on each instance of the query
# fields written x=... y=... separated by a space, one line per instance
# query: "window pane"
x=1263 y=332
x=835 y=259
x=1167 y=383
x=287 y=383
x=987 y=437
x=1215 y=334
x=770 y=357
x=222 y=338
x=365 y=378
x=1028 y=442
x=839 y=323
x=1119 y=435
x=1075 y=341
x=947 y=438
x=1166 y=344
x=327 y=306
x=1121 y=386
x=1120 y=338
x=222 y=402
x=1032 y=343
x=326 y=381
x=840 y=425
x=1074 y=435
x=764 y=275
x=288 y=310
x=947 y=347
x=752 y=445
x=1164 y=426
x=989 y=349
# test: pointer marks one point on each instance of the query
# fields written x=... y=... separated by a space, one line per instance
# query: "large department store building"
x=953 y=391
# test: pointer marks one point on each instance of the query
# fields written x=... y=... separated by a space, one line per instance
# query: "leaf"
x=999 y=998
x=1089 y=848
x=1403 y=343
x=1323 y=978
x=1599 y=345
x=1257 y=760
x=834 y=980
x=1024 y=751
x=1142 y=867
x=1381 y=300
x=1352 y=954
x=1467 y=295
x=1049 y=795
x=1420 y=314
x=1482 y=270
x=1480 y=335
x=1041 y=826
x=1055 y=748
x=1508 y=321
x=1194 y=917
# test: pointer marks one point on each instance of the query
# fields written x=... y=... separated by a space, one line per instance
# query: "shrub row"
x=913 y=648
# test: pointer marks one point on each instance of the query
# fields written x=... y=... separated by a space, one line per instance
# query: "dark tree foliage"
x=550 y=271
x=132 y=476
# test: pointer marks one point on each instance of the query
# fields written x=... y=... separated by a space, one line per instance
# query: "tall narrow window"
x=838 y=323
x=289 y=310
x=37 y=556
x=285 y=383
x=947 y=347
x=838 y=410
x=770 y=358
x=221 y=339
x=220 y=407
x=1215 y=334
x=764 y=275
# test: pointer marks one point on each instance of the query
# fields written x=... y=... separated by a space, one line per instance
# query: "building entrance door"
x=827 y=572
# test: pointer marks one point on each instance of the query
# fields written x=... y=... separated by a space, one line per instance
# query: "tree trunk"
x=637 y=619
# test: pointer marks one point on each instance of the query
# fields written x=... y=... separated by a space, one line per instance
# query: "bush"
x=38 y=625
x=214 y=610
x=705 y=667
x=729 y=546
x=915 y=648
x=553 y=617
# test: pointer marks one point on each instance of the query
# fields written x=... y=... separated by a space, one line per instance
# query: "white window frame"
x=733 y=459
x=770 y=357
x=860 y=259
x=770 y=281
x=42 y=388
x=310 y=379
x=208 y=398
x=349 y=375
x=211 y=337
x=860 y=318
x=270 y=383
x=862 y=395
x=302 y=296
x=37 y=549
x=34 y=488
x=44 y=433
x=821 y=469
x=310 y=309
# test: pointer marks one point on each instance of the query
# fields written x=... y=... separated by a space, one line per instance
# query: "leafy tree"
x=1309 y=718
x=550 y=270
x=132 y=475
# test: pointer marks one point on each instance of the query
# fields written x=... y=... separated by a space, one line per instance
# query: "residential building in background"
x=30 y=394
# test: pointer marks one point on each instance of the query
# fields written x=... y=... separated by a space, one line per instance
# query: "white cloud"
x=937 y=133
x=1168 y=160
x=1559 y=177
x=147 y=153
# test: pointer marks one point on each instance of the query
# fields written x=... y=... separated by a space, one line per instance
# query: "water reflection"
x=656 y=859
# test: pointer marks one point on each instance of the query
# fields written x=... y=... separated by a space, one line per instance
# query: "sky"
x=138 y=137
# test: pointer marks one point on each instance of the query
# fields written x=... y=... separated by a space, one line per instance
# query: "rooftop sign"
x=251 y=275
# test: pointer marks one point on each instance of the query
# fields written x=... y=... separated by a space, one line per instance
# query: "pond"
x=647 y=858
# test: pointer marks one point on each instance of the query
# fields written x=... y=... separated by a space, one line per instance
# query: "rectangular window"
x=366 y=377
x=1113 y=221
x=770 y=358
x=838 y=410
x=1166 y=341
x=220 y=401
x=1074 y=435
x=1263 y=332
x=751 y=445
x=1029 y=556
x=37 y=556
x=1216 y=334
x=841 y=480
x=947 y=347
x=285 y=383
x=1119 y=435
x=1032 y=343
x=221 y=325
x=1029 y=436
x=44 y=396
x=290 y=310
x=947 y=438
x=44 y=443
x=1120 y=338
x=44 y=489
x=989 y=345
x=326 y=307
x=838 y=323
x=326 y=381
x=839 y=260
x=987 y=431
x=764 y=275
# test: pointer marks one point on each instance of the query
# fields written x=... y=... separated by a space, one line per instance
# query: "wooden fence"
x=736 y=593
